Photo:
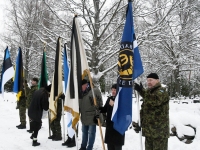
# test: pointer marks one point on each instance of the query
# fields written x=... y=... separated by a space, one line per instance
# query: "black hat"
x=114 y=86
x=153 y=75
x=84 y=81
x=35 y=79
x=48 y=88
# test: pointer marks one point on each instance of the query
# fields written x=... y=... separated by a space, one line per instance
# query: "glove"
x=62 y=96
x=137 y=128
x=138 y=87
x=96 y=117
x=95 y=120
x=97 y=113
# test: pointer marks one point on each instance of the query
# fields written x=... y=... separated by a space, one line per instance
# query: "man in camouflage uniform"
x=55 y=124
x=154 y=114
x=22 y=107
x=34 y=87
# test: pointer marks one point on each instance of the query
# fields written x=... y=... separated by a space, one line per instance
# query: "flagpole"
x=139 y=120
x=95 y=103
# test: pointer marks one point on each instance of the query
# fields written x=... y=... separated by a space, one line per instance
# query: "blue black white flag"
x=7 y=71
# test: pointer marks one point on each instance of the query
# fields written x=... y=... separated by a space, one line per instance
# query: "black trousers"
x=114 y=147
x=35 y=127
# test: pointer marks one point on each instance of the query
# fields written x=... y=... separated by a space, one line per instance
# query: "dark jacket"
x=39 y=102
x=29 y=94
x=86 y=105
x=155 y=112
x=111 y=135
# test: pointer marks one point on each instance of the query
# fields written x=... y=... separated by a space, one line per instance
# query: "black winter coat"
x=111 y=136
x=40 y=101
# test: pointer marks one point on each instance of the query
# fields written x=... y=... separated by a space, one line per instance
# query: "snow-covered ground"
x=12 y=138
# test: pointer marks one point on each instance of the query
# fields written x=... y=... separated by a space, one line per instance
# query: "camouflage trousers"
x=55 y=125
x=22 y=114
x=156 y=144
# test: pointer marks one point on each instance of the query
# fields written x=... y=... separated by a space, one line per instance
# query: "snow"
x=15 y=139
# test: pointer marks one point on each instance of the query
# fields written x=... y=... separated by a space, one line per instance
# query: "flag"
x=122 y=110
x=78 y=69
x=18 y=78
x=66 y=75
x=56 y=86
x=43 y=76
x=7 y=71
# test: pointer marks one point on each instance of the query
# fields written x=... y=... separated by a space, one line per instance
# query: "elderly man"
x=154 y=114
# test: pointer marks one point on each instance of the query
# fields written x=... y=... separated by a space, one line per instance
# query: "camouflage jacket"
x=86 y=106
x=155 y=112
x=29 y=94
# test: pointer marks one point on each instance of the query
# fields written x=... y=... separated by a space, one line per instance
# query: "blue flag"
x=65 y=67
x=18 y=78
x=122 y=110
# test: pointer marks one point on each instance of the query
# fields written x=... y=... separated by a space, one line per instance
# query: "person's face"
x=33 y=82
x=152 y=82
x=84 y=86
x=113 y=92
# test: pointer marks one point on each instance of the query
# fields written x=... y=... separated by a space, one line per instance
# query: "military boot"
x=67 y=141
x=22 y=126
x=51 y=137
x=18 y=125
x=35 y=143
x=57 y=138
x=72 y=143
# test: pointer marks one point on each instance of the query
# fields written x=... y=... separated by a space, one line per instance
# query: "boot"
x=72 y=143
x=22 y=127
x=57 y=138
x=18 y=125
x=30 y=131
x=35 y=143
x=67 y=141
x=31 y=136
x=51 y=137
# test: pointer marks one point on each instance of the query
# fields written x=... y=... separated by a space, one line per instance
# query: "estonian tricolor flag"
x=7 y=70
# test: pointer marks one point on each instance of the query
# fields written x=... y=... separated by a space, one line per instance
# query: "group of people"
x=154 y=115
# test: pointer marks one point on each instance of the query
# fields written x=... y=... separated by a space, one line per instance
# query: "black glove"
x=95 y=120
x=138 y=87
x=62 y=96
x=96 y=117
x=97 y=113
x=137 y=128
